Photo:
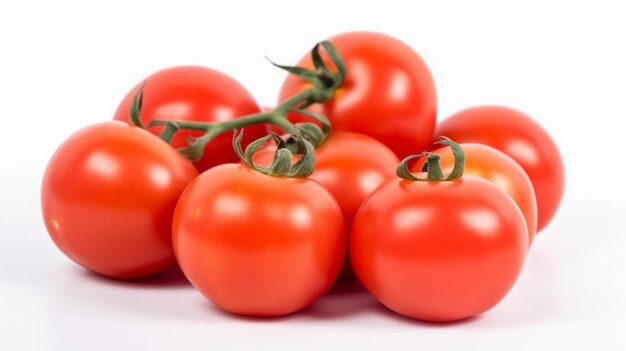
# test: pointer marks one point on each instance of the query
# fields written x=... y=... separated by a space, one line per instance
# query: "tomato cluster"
x=434 y=220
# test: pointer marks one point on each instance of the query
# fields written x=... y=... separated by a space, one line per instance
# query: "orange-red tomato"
x=488 y=163
x=108 y=198
x=388 y=92
x=196 y=94
x=521 y=138
x=438 y=251
x=258 y=245
x=350 y=166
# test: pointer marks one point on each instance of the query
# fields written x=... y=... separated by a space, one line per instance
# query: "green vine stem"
x=432 y=165
x=281 y=163
x=324 y=82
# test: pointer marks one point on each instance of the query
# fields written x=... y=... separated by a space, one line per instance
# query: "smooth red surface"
x=200 y=94
x=488 y=163
x=258 y=245
x=351 y=166
x=521 y=138
x=108 y=199
x=388 y=92
x=438 y=251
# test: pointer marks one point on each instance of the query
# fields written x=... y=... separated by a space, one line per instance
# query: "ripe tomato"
x=488 y=163
x=108 y=199
x=258 y=245
x=350 y=166
x=388 y=92
x=521 y=138
x=438 y=250
x=195 y=94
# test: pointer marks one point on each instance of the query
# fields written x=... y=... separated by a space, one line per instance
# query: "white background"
x=67 y=65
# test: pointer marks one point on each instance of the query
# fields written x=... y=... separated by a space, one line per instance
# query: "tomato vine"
x=324 y=82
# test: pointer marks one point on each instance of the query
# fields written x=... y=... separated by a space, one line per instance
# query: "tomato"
x=488 y=163
x=256 y=244
x=438 y=250
x=195 y=94
x=521 y=138
x=350 y=166
x=388 y=92
x=108 y=198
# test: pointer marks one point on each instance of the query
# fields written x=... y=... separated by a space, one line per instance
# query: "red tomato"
x=488 y=163
x=258 y=245
x=521 y=138
x=350 y=166
x=108 y=199
x=388 y=92
x=438 y=251
x=195 y=94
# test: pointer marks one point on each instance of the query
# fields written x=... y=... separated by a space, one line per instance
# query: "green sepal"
x=433 y=165
x=136 y=106
x=324 y=74
x=306 y=164
x=334 y=55
x=281 y=163
x=459 y=157
x=318 y=63
x=252 y=148
x=304 y=73
x=316 y=116
x=403 y=170
x=312 y=132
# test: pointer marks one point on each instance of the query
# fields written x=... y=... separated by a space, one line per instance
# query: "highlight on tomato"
x=438 y=248
x=351 y=166
x=194 y=94
x=388 y=92
x=260 y=241
x=108 y=199
x=488 y=163
x=521 y=138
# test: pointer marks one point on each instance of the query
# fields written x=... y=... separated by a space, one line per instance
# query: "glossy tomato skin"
x=351 y=166
x=521 y=138
x=388 y=93
x=108 y=198
x=258 y=245
x=438 y=251
x=199 y=94
x=490 y=164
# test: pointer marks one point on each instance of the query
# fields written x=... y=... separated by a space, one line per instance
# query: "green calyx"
x=324 y=82
x=281 y=165
x=433 y=166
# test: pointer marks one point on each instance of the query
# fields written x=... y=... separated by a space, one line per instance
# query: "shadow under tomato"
x=350 y=298
x=214 y=309
x=344 y=300
x=172 y=278
x=384 y=311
